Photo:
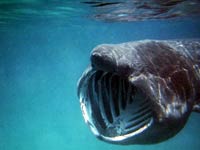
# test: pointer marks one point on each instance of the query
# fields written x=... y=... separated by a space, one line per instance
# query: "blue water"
x=40 y=64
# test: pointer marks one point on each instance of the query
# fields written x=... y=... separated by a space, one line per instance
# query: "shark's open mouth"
x=115 y=109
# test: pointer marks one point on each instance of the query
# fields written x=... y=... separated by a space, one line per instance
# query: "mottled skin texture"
x=166 y=71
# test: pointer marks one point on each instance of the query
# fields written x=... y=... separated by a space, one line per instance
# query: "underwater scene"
x=99 y=74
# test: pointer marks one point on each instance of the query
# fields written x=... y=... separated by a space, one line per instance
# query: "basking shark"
x=141 y=92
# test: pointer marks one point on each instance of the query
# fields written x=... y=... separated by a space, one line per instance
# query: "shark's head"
x=127 y=99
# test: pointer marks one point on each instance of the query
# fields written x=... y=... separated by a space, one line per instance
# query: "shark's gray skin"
x=141 y=92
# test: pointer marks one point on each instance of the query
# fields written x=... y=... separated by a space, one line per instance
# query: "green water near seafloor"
x=41 y=61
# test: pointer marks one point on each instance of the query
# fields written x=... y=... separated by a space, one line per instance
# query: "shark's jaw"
x=114 y=109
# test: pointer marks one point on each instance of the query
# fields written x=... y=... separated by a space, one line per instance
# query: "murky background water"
x=44 y=48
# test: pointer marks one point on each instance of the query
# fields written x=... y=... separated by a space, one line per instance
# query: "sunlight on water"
x=17 y=11
x=137 y=10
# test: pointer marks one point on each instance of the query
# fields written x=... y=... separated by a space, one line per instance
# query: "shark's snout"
x=103 y=60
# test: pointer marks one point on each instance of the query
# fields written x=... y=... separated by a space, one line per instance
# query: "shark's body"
x=141 y=92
